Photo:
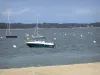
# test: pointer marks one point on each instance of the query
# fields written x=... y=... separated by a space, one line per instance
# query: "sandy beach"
x=74 y=69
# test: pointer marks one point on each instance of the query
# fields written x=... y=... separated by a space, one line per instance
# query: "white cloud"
x=5 y=13
x=62 y=15
x=25 y=10
x=8 y=11
x=84 y=11
x=76 y=12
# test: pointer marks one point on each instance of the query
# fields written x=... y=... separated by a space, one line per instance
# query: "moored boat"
x=9 y=28
x=39 y=44
x=36 y=32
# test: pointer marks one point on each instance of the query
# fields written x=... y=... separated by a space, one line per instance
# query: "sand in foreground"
x=76 y=69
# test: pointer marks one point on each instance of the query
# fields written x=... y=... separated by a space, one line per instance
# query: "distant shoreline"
x=40 y=28
x=49 y=25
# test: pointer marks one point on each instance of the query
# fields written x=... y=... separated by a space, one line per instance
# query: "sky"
x=50 y=11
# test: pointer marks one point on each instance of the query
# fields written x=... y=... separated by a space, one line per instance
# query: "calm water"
x=73 y=46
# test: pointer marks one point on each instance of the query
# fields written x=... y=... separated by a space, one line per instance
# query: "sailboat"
x=36 y=33
x=8 y=35
x=37 y=43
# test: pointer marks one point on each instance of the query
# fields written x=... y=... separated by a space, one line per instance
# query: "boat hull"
x=11 y=36
x=40 y=45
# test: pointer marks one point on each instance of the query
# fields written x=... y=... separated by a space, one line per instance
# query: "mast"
x=37 y=26
x=9 y=23
x=7 y=29
x=36 y=32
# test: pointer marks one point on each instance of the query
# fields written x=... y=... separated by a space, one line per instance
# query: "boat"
x=8 y=35
x=38 y=41
x=36 y=32
x=39 y=44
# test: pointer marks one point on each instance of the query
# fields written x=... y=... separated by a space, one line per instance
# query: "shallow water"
x=74 y=45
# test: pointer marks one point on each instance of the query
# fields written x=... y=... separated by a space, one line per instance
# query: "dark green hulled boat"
x=37 y=36
x=40 y=44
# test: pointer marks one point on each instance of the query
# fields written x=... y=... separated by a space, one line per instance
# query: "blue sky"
x=54 y=11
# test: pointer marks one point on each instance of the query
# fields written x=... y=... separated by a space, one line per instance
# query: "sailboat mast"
x=37 y=26
x=9 y=22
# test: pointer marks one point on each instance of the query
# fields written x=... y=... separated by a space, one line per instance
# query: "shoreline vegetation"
x=49 y=25
x=74 y=69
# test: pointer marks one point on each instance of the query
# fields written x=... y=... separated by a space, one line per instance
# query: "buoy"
x=32 y=36
x=94 y=41
x=54 y=38
x=1 y=37
x=27 y=34
x=65 y=34
x=27 y=38
x=81 y=36
x=88 y=32
x=14 y=46
x=74 y=34
x=54 y=33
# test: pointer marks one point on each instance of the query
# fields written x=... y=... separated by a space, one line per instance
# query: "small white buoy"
x=54 y=38
x=88 y=32
x=81 y=36
x=74 y=34
x=14 y=46
x=32 y=36
x=26 y=34
x=1 y=37
x=94 y=41
x=60 y=33
x=65 y=34
x=91 y=32
x=54 y=33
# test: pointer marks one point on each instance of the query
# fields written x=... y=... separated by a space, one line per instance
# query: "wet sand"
x=74 y=69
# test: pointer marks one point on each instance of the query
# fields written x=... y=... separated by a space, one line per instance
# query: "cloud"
x=11 y=12
x=62 y=15
x=25 y=10
x=8 y=11
x=84 y=11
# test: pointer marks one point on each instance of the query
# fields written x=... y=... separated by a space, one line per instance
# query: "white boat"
x=36 y=33
x=39 y=44
x=8 y=30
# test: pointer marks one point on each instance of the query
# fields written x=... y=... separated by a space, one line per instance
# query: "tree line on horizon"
x=49 y=25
